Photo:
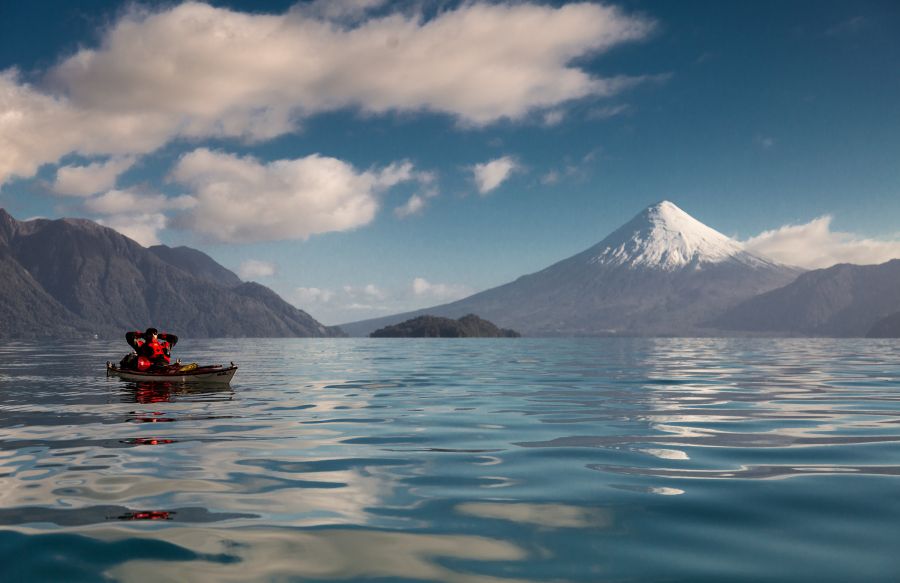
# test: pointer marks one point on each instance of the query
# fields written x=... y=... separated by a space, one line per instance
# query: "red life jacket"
x=156 y=351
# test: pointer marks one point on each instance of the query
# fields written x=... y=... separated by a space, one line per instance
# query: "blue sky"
x=363 y=157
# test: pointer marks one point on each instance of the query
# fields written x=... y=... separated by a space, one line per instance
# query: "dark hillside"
x=470 y=326
x=844 y=300
x=68 y=274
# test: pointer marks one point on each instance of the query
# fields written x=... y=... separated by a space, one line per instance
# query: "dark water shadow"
x=75 y=558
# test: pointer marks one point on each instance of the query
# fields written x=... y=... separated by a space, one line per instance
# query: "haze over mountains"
x=74 y=278
x=661 y=274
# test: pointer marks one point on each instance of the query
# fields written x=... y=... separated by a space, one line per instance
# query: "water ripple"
x=460 y=460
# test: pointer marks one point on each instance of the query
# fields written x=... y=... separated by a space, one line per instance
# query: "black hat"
x=150 y=331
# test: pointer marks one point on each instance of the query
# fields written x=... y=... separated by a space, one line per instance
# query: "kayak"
x=178 y=373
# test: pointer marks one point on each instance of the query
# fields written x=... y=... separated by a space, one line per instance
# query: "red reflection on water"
x=155 y=392
x=147 y=515
x=151 y=417
x=151 y=392
x=148 y=441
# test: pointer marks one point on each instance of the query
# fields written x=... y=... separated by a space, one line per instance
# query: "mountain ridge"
x=196 y=263
x=844 y=300
x=661 y=273
x=68 y=276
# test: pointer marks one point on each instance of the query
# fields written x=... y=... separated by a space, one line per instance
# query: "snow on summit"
x=665 y=237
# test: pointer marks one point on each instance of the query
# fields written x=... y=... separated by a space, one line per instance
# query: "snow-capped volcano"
x=662 y=273
x=665 y=237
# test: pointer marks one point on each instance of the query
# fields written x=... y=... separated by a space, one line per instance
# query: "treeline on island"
x=470 y=326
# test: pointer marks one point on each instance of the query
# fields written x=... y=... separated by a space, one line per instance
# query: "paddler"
x=156 y=348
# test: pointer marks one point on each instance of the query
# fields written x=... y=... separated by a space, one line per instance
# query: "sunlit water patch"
x=456 y=460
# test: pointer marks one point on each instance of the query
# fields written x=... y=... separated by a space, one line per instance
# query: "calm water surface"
x=456 y=460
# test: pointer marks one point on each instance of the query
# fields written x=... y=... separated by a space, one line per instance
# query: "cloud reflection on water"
x=285 y=554
x=741 y=398
x=547 y=515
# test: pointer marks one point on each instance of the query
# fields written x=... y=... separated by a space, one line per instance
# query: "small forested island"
x=470 y=326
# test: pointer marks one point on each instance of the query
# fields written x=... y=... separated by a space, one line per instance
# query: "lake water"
x=468 y=460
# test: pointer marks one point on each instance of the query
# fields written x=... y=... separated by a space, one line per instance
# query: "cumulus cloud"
x=338 y=10
x=140 y=216
x=814 y=245
x=311 y=295
x=373 y=291
x=199 y=71
x=91 y=178
x=424 y=289
x=241 y=199
x=143 y=227
x=255 y=268
x=490 y=175
x=128 y=201
x=38 y=128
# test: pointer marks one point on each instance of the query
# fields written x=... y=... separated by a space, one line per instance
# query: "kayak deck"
x=214 y=373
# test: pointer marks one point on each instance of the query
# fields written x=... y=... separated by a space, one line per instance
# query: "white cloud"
x=116 y=202
x=814 y=245
x=394 y=174
x=242 y=199
x=142 y=227
x=367 y=292
x=413 y=206
x=199 y=71
x=356 y=306
x=311 y=295
x=424 y=289
x=764 y=142
x=38 y=128
x=129 y=201
x=417 y=202
x=356 y=302
x=372 y=291
x=346 y=303
x=91 y=178
x=255 y=268
x=140 y=216
x=490 y=175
